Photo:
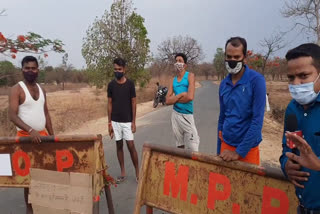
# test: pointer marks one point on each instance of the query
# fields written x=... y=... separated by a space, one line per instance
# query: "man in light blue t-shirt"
x=181 y=95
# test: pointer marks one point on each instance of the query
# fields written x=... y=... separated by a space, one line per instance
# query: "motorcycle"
x=160 y=96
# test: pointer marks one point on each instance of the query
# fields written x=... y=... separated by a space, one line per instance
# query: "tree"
x=255 y=61
x=6 y=71
x=118 y=33
x=306 y=15
x=29 y=43
x=2 y=12
x=65 y=68
x=272 y=45
x=218 y=63
x=187 y=45
x=205 y=69
x=158 y=68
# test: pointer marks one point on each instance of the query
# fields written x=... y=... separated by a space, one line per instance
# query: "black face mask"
x=30 y=76
x=118 y=75
x=233 y=66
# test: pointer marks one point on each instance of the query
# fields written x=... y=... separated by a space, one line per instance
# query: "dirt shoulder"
x=100 y=125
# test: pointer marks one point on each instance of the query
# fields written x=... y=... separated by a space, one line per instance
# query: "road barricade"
x=184 y=182
x=82 y=154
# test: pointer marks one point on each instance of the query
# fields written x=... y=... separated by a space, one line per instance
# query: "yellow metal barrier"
x=184 y=182
x=83 y=154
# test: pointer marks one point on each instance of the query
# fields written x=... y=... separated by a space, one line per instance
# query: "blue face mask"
x=304 y=94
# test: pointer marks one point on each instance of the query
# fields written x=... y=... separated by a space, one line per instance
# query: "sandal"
x=120 y=179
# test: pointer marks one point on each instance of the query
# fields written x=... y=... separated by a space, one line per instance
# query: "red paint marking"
x=261 y=172
x=270 y=193
x=15 y=163
x=176 y=182
x=96 y=198
x=61 y=164
x=194 y=199
x=56 y=139
x=194 y=158
x=213 y=193
x=235 y=209
x=17 y=139
x=149 y=210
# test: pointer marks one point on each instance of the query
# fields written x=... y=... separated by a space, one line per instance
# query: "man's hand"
x=294 y=174
x=171 y=100
x=228 y=155
x=133 y=127
x=110 y=129
x=307 y=157
x=35 y=136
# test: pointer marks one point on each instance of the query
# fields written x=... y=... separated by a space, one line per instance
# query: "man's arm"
x=189 y=96
x=134 y=108
x=46 y=112
x=171 y=98
x=110 y=110
x=109 y=117
x=220 y=121
x=134 y=112
x=259 y=103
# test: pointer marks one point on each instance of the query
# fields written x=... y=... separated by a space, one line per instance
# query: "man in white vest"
x=28 y=108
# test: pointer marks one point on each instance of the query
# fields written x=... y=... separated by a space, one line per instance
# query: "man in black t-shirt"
x=122 y=115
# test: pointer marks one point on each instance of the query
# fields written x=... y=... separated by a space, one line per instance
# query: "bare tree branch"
x=305 y=10
x=272 y=45
x=2 y=12
x=187 y=45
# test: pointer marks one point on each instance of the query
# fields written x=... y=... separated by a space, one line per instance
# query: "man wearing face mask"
x=181 y=95
x=28 y=107
x=303 y=74
x=242 y=96
x=122 y=115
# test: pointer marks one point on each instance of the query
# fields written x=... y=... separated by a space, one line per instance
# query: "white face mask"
x=179 y=66
x=233 y=67
x=304 y=94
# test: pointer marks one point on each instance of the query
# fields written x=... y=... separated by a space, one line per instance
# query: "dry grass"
x=70 y=109
x=279 y=98
x=76 y=105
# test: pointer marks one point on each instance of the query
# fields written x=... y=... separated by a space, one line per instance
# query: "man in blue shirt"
x=304 y=85
x=242 y=96
x=181 y=95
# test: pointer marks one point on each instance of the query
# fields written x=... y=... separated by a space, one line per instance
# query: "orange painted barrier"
x=82 y=154
x=183 y=182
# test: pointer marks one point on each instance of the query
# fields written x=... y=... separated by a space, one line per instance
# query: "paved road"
x=154 y=127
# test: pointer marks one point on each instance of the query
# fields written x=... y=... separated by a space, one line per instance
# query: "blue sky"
x=211 y=22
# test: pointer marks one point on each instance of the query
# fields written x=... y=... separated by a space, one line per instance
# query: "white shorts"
x=185 y=131
x=122 y=131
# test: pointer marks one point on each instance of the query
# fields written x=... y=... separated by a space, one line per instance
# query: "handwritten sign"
x=61 y=191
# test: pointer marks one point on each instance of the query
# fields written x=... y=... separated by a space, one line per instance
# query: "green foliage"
x=6 y=70
x=218 y=63
x=118 y=33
